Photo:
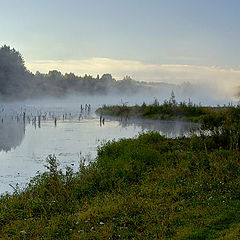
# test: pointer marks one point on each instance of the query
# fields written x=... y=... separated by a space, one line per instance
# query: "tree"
x=14 y=77
x=172 y=98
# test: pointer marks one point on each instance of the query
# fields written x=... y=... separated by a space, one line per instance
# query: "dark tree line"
x=56 y=84
x=16 y=82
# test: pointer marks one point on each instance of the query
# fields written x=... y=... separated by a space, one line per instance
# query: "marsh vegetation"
x=148 y=187
x=168 y=110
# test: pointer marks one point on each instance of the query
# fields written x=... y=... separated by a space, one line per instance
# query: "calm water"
x=27 y=140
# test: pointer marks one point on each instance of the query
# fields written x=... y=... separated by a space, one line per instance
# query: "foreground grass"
x=144 y=188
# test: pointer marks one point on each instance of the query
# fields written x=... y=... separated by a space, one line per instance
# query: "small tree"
x=172 y=99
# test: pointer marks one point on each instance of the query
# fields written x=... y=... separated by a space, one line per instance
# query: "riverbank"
x=149 y=187
x=169 y=110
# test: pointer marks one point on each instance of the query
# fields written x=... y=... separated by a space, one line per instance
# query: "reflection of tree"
x=12 y=134
x=169 y=128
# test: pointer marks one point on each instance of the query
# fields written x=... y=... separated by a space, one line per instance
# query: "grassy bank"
x=144 y=188
x=166 y=111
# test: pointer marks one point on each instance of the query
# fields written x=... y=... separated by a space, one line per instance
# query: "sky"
x=150 y=40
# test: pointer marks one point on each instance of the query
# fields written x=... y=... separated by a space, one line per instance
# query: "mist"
x=19 y=84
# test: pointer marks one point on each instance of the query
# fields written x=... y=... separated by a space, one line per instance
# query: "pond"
x=29 y=135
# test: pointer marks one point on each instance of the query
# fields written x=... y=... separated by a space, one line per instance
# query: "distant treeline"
x=16 y=82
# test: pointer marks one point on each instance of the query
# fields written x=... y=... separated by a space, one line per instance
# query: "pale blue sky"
x=151 y=40
x=202 y=32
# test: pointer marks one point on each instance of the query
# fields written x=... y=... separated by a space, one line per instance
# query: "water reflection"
x=169 y=128
x=12 y=129
x=11 y=133
x=14 y=122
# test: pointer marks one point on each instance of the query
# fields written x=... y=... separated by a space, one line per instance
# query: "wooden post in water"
x=24 y=117
x=39 y=121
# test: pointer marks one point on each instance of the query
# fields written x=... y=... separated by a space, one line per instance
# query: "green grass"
x=149 y=187
x=167 y=111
